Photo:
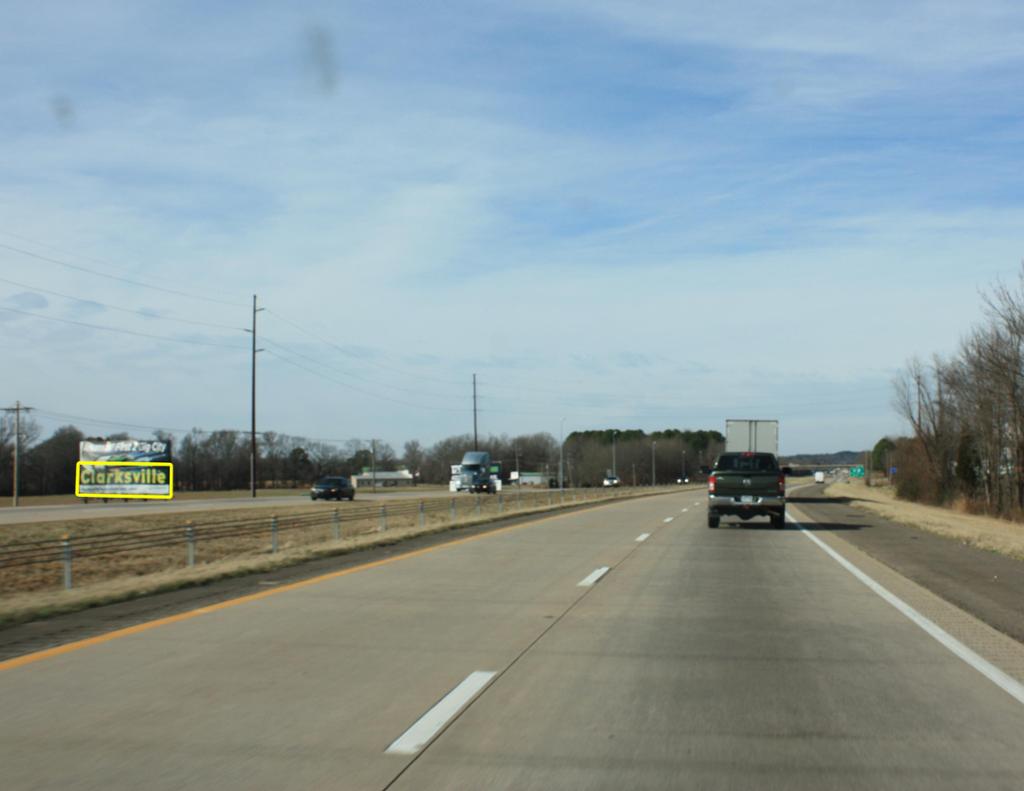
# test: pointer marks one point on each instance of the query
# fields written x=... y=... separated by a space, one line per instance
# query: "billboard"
x=124 y=450
x=125 y=468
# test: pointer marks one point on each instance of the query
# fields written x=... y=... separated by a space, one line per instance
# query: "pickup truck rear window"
x=743 y=462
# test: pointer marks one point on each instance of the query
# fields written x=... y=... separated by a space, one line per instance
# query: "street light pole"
x=614 y=433
x=654 y=477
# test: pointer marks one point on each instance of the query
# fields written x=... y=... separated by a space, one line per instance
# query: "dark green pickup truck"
x=747 y=485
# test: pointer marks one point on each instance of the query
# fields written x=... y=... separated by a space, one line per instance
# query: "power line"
x=121 y=424
x=118 y=278
x=63 y=251
x=121 y=331
x=349 y=353
x=142 y=313
x=557 y=403
x=414 y=391
x=359 y=389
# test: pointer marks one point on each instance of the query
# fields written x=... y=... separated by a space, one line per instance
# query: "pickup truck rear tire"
x=778 y=521
x=713 y=520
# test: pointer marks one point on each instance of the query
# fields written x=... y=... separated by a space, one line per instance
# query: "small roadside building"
x=368 y=479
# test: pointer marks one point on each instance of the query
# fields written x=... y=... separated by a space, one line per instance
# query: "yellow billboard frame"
x=167 y=464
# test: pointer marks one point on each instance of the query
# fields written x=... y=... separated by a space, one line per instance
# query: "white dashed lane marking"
x=592 y=577
x=431 y=723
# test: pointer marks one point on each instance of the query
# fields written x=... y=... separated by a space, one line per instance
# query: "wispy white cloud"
x=555 y=195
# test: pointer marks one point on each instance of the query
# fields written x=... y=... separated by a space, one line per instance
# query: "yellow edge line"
x=68 y=648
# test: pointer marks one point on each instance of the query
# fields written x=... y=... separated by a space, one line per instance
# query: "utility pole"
x=476 y=442
x=17 y=409
x=252 y=430
x=684 y=463
x=519 y=477
x=614 y=432
x=561 y=446
x=654 y=477
x=373 y=463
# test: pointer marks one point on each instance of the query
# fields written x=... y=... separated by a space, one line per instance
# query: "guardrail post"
x=66 y=552
x=273 y=534
x=190 y=539
x=337 y=524
x=501 y=503
x=383 y=525
x=423 y=514
x=451 y=510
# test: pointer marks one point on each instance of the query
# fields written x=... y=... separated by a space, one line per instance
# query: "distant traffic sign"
x=857 y=472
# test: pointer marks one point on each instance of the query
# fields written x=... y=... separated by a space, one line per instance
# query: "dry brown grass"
x=302 y=491
x=985 y=532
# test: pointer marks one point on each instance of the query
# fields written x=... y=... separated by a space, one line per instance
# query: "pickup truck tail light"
x=782 y=484
x=712 y=481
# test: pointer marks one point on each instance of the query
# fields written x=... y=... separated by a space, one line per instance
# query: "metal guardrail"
x=190 y=537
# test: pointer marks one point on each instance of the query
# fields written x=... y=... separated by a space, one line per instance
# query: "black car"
x=336 y=488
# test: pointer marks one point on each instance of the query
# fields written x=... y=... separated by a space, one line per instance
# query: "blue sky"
x=624 y=214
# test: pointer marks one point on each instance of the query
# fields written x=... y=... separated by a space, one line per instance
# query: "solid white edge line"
x=643 y=536
x=427 y=726
x=592 y=577
x=668 y=519
x=1008 y=684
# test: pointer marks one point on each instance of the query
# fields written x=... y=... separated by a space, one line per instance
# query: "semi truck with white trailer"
x=747 y=480
x=752 y=436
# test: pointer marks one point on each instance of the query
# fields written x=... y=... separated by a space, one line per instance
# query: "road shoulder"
x=986 y=585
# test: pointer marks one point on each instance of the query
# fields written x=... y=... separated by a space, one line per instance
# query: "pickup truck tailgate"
x=736 y=484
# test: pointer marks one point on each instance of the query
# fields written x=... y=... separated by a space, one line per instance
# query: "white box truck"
x=755 y=436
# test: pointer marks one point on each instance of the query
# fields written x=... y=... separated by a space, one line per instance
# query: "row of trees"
x=967 y=415
x=669 y=455
x=219 y=460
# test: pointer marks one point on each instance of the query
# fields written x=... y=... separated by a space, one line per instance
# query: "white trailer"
x=758 y=436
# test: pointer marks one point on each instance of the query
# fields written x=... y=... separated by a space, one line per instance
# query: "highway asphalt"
x=621 y=647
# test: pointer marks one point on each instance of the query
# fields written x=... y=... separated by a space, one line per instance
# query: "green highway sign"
x=857 y=472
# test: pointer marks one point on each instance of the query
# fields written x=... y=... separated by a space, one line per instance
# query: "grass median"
x=34 y=592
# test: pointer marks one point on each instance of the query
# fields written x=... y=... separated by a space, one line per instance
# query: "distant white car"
x=819 y=477
x=611 y=480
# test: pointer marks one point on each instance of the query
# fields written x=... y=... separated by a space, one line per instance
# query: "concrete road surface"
x=623 y=647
